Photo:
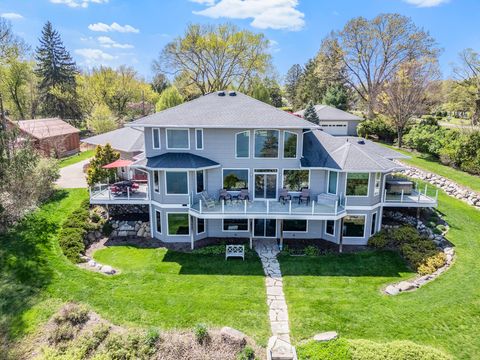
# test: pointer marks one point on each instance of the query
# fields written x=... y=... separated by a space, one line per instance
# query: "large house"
x=335 y=121
x=228 y=166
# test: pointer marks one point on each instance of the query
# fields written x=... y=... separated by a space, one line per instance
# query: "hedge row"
x=73 y=231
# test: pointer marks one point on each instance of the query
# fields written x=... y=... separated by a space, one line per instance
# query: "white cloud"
x=11 y=16
x=108 y=42
x=94 y=56
x=206 y=2
x=427 y=3
x=273 y=14
x=102 y=27
x=78 y=3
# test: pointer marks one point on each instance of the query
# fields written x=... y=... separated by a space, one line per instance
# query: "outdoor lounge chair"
x=224 y=195
x=304 y=196
x=284 y=196
x=244 y=195
x=207 y=200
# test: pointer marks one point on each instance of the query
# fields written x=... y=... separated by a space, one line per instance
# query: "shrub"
x=107 y=229
x=432 y=263
x=211 y=250
x=201 y=333
x=404 y=234
x=379 y=240
x=132 y=346
x=71 y=242
x=379 y=128
x=75 y=314
x=246 y=354
x=152 y=337
x=311 y=251
x=61 y=333
x=333 y=350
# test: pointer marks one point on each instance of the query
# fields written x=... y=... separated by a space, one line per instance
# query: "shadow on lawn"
x=24 y=269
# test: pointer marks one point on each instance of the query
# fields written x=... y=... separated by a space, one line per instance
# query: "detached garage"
x=335 y=121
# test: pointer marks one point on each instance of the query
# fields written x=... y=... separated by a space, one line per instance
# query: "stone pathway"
x=268 y=250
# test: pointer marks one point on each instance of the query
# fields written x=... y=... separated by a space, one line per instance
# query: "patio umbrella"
x=117 y=163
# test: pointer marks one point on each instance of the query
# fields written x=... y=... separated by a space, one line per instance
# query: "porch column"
x=250 y=222
x=151 y=217
x=192 y=234
x=380 y=219
x=340 y=247
x=281 y=234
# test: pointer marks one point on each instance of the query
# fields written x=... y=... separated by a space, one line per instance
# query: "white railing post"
x=90 y=191
x=200 y=205
x=313 y=207
x=336 y=206
x=245 y=206
x=425 y=190
x=128 y=193
x=419 y=195
x=385 y=195
x=223 y=206
x=109 y=194
x=436 y=195
x=401 y=197
x=268 y=206
x=290 y=206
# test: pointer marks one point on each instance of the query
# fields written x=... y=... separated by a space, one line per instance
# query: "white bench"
x=235 y=251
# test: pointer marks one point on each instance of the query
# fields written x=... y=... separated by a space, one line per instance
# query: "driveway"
x=72 y=176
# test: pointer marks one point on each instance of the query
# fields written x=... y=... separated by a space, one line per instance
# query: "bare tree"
x=467 y=74
x=373 y=50
x=406 y=94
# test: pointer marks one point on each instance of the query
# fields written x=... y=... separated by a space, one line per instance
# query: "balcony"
x=107 y=194
x=268 y=209
x=405 y=193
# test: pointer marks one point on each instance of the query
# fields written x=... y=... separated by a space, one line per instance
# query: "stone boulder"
x=233 y=336
x=107 y=269
x=406 y=286
x=392 y=290
x=326 y=336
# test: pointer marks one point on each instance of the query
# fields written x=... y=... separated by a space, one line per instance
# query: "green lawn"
x=431 y=164
x=156 y=287
x=84 y=155
x=342 y=292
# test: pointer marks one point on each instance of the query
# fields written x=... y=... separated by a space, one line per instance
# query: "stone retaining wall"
x=130 y=228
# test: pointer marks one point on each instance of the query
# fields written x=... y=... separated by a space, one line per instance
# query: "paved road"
x=72 y=176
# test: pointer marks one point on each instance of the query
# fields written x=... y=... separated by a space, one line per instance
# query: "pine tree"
x=56 y=70
x=96 y=173
x=310 y=114
x=336 y=96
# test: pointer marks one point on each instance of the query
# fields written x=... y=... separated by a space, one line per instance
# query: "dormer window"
x=178 y=139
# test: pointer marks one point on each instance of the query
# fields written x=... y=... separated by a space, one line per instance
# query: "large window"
x=156 y=138
x=156 y=181
x=200 y=176
x=330 y=227
x=158 y=221
x=176 y=182
x=354 y=226
x=200 y=226
x=235 y=179
x=378 y=177
x=199 y=139
x=242 y=145
x=357 y=184
x=178 y=139
x=289 y=145
x=266 y=143
x=332 y=182
x=235 y=225
x=178 y=224
x=295 y=180
x=295 y=225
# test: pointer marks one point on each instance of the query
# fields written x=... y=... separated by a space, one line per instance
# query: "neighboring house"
x=335 y=121
x=53 y=136
x=229 y=145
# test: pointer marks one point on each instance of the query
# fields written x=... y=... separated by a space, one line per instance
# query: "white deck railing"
x=101 y=192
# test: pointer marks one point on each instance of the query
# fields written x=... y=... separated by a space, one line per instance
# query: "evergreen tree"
x=56 y=70
x=310 y=114
x=336 y=96
x=292 y=79
x=310 y=87
x=104 y=155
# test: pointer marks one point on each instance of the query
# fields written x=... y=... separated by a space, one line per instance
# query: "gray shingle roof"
x=321 y=150
x=214 y=111
x=124 y=139
x=172 y=160
x=325 y=112
x=370 y=146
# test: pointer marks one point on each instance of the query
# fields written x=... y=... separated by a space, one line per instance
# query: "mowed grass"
x=84 y=155
x=342 y=292
x=156 y=287
x=430 y=163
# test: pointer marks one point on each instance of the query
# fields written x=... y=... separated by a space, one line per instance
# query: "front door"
x=265 y=228
x=266 y=184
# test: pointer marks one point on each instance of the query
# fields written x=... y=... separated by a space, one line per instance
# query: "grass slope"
x=430 y=163
x=156 y=287
x=341 y=292
x=84 y=155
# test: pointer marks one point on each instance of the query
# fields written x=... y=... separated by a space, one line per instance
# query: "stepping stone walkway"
x=267 y=250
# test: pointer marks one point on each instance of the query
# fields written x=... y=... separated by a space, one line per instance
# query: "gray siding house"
x=228 y=166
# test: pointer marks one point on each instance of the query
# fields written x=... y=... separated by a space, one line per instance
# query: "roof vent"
x=232 y=93
x=221 y=93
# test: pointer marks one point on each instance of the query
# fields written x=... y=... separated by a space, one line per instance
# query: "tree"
x=215 y=58
x=294 y=74
x=405 y=95
x=336 y=96
x=101 y=120
x=104 y=155
x=310 y=88
x=159 y=82
x=260 y=92
x=468 y=78
x=310 y=113
x=373 y=50
x=56 y=70
x=169 y=98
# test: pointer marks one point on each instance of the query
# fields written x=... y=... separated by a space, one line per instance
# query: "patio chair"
x=244 y=195
x=224 y=195
x=304 y=196
x=284 y=196
x=207 y=199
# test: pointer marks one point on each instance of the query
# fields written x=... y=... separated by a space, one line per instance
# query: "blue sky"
x=132 y=32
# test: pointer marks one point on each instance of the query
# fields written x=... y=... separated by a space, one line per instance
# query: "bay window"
x=178 y=224
x=354 y=226
x=176 y=182
x=357 y=184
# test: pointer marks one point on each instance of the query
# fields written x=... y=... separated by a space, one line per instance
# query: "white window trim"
x=168 y=226
x=368 y=186
x=328 y=182
x=248 y=176
x=296 y=145
x=364 y=227
x=175 y=129
x=231 y=231
x=156 y=223
x=196 y=185
x=334 y=228
x=159 y=139
x=204 y=226
x=249 y=136
x=376 y=190
x=373 y=229
x=294 y=232
x=196 y=139
x=255 y=171
x=177 y=171
x=287 y=169
x=158 y=178
x=254 y=144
